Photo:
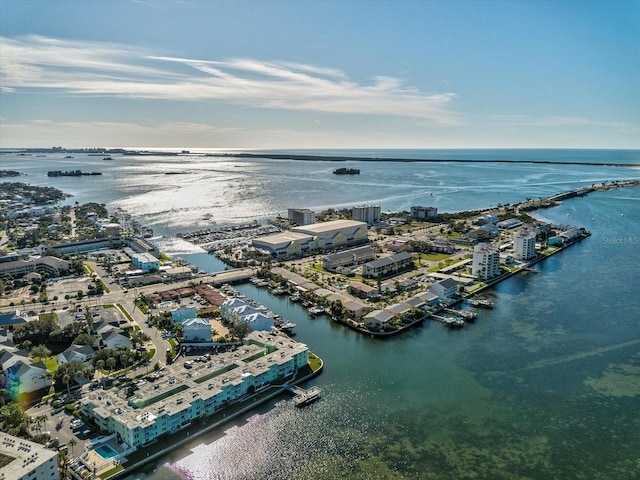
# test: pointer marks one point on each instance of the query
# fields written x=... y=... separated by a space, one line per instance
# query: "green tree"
x=66 y=379
x=111 y=364
x=72 y=443
x=138 y=338
x=14 y=420
x=100 y=365
x=39 y=422
x=40 y=351
x=26 y=345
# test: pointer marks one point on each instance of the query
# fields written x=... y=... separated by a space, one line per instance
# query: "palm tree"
x=72 y=443
x=100 y=364
x=66 y=379
x=62 y=464
x=39 y=421
x=27 y=344
x=111 y=364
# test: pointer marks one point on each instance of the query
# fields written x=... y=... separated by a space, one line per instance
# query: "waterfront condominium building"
x=524 y=244
x=25 y=460
x=301 y=216
x=366 y=213
x=486 y=261
x=174 y=401
x=421 y=213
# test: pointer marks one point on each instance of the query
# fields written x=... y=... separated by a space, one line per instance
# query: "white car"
x=76 y=424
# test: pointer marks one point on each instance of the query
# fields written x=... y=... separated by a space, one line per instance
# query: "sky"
x=320 y=74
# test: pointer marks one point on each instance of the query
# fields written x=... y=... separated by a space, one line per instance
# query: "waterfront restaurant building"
x=486 y=261
x=174 y=401
x=524 y=244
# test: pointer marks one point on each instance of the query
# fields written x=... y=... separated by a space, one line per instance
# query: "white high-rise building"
x=301 y=216
x=366 y=213
x=486 y=261
x=524 y=244
x=422 y=213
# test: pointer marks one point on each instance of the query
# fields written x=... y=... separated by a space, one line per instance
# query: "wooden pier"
x=450 y=322
x=304 y=397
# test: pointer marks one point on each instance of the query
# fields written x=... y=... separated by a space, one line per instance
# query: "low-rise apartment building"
x=25 y=460
x=175 y=401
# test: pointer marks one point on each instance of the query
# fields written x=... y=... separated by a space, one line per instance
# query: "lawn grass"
x=112 y=472
x=434 y=257
x=125 y=313
x=51 y=363
x=314 y=362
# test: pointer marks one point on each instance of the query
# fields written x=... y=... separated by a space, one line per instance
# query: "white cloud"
x=547 y=121
x=93 y=68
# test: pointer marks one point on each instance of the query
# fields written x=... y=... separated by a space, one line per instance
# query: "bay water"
x=544 y=386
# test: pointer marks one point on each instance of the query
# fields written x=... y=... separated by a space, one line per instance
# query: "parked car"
x=76 y=424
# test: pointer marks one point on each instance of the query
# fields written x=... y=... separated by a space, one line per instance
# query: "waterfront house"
x=355 y=309
x=429 y=298
x=258 y=321
x=378 y=318
x=445 y=289
x=363 y=290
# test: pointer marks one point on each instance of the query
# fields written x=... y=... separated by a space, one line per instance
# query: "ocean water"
x=544 y=386
x=186 y=192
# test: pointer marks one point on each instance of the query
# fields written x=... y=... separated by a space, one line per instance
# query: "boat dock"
x=481 y=303
x=304 y=397
x=451 y=322
x=467 y=315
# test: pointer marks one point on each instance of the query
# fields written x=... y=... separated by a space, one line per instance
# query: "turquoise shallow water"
x=544 y=386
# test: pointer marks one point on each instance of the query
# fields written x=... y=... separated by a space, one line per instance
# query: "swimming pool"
x=106 y=452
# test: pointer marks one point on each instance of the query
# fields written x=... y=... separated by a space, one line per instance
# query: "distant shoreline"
x=340 y=158
x=307 y=157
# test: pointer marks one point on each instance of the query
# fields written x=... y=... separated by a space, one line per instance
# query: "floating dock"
x=304 y=397
x=451 y=322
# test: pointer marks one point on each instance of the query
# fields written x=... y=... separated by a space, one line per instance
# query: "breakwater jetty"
x=343 y=158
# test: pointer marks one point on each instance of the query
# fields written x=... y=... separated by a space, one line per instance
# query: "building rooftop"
x=26 y=455
x=175 y=391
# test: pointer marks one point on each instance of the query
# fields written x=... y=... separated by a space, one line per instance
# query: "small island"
x=70 y=173
x=346 y=171
x=9 y=173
